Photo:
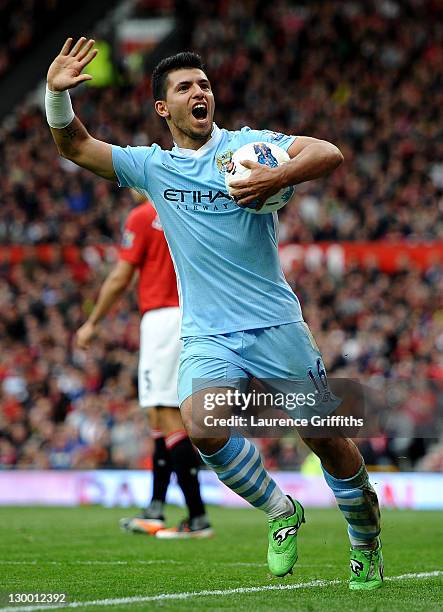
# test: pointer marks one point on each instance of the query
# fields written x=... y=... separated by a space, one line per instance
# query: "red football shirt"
x=144 y=245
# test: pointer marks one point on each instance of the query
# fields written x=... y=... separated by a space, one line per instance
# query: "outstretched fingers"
x=85 y=61
x=79 y=50
x=66 y=46
x=78 y=45
x=85 y=50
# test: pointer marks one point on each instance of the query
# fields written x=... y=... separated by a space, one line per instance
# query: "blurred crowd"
x=61 y=407
x=386 y=331
x=363 y=75
x=154 y=8
x=21 y=24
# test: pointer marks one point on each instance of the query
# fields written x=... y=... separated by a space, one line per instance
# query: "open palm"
x=65 y=71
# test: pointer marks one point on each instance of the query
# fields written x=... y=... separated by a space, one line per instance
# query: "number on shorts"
x=147 y=379
x=320 y=380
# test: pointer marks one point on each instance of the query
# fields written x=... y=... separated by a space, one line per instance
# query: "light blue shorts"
x=285 y=357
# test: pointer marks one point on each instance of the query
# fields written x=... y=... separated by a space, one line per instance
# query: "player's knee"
x=186 y=415
x=153 y=418
x=170 y=420
x=175 y=418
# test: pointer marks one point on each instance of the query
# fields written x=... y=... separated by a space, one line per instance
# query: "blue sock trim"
x=347 y=496
x=244 y=479
x=343 y=484
x=357 y=508
x=225 y=454
x=366 y=537
x=266 y=495
x=238 y=468
x=257 y=484
x=360 y=522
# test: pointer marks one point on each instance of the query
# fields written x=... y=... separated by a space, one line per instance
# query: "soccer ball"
x=263 y=153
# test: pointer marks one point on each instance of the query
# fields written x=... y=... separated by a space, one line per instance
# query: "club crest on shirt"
x=224 y=161
x=156 y=224
x=127 y=239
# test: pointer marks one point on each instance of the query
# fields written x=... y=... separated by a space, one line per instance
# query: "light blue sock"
x=359 y=504
x=239 y=466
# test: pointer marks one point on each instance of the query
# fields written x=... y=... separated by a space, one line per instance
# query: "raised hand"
x=65 y=70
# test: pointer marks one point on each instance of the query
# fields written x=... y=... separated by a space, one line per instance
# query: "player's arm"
x=70 y=135
x=113 y=287
x=310 y=159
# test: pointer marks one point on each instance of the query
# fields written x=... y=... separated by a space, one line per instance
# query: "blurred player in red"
x=144 y=248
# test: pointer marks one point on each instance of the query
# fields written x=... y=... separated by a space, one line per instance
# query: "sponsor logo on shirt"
x=196 y=197
x=199 y=200
x=127 y=239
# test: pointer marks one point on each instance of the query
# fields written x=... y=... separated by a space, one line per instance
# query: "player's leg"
x=238 y=464
x=204 y=386
x=161 y=467
x=345 y=473
x=288 y=357
x=235 y=459
x=151 y=519
x=158 y=364
x=185 y=463
x=160 y=348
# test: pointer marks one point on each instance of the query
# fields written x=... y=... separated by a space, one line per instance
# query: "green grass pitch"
x=82 y=552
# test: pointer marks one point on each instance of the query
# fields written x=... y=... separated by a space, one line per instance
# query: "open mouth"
x=200 y=111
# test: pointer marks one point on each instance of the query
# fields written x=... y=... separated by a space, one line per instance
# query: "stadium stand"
x=380 y=98
x=23 y=24
x=81 y=410
x=60 y=408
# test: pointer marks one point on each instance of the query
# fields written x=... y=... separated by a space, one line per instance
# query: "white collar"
x=212 y=142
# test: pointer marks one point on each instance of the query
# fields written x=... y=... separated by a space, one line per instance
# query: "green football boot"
x=366 y=569
x=282 y=548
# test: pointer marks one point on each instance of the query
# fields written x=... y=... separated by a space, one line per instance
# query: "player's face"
x=189 y=105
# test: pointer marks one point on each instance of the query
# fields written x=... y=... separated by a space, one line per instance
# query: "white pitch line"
x=219 y=592
x=411 y=576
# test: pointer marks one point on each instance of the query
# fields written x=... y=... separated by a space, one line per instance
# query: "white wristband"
x=59 y=113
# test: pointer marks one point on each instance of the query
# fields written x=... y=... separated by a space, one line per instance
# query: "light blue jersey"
x=226 y=259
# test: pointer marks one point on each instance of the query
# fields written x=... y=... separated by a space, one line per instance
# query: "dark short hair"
x=186 y=59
